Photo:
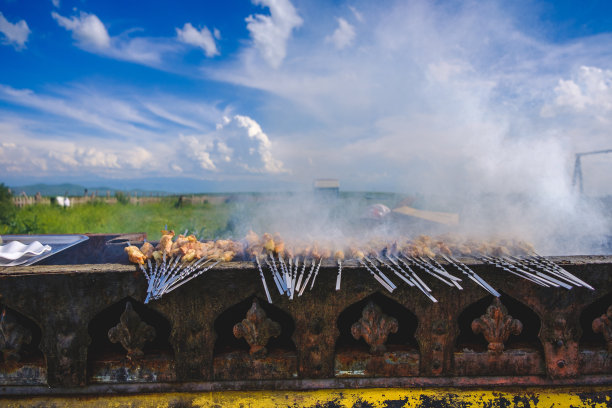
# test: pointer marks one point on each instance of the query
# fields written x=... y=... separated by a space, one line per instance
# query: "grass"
x=301 y=213
x=206 y=220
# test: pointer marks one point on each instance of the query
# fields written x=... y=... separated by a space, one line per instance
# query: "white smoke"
x=464 y=103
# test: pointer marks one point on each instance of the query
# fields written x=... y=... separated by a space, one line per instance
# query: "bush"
x=7 y=208
x=122 y=198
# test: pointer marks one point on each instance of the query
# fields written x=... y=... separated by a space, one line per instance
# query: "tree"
x=7 y=208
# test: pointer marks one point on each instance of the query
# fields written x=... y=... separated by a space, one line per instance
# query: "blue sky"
x=460 y=97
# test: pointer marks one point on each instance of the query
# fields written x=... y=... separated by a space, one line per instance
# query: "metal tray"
x=57 y=243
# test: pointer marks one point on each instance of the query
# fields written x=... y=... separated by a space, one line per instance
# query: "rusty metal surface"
x=391 y=363
x=510 y=363
x=23 y=373
x=115 y=370
x=239 y=364
x=62 y=301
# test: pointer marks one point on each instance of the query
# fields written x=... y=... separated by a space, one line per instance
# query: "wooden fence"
x=23 y=200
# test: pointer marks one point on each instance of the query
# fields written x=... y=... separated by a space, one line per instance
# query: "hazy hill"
x=53 y=190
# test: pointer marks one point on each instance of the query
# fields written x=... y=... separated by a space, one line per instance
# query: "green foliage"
x=206 y=221
x=122 y=198
x=7 y=208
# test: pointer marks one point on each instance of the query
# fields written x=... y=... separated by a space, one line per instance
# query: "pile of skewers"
x=294 y=266
x=177 y=262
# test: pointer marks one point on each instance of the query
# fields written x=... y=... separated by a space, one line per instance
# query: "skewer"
x=182 y=275
x=427 y=268
x=537 y=276
x=411 y=280
x=400 y=275
x=494 y=261
x=144 y=271
x=291 y=280
x=298 y=285
x=416 y=277
x=440 y=269
x=154 y=275
x=315 y=273
x=278 y=274
x=287 y=278
x=382 y=275
x=172 y=275
x=167 y=274
x=339 y=275
x=278 y=282
x=378 y=278
x=295 y=273
x=308 y=277
x=577 y=281
x=195 y=275
x=472 y=275
x=558 y=282
x=263 y=280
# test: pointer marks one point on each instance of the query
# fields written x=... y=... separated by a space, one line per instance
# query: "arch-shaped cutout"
x=527 y=339
x=407 y=323
x=590 y=339
x=109 y=362
x=30 y=351
x=224 y=325
x=232 y=357
x=594 y=350
x=400 y=355
x=99 y=326
x=24 y=359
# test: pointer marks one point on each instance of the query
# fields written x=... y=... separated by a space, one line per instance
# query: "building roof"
x=327 y=183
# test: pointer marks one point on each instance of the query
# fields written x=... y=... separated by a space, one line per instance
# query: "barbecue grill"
x=58 y=315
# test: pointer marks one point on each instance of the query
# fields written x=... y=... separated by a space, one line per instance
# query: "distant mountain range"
x=152 y=186
x=52 y=190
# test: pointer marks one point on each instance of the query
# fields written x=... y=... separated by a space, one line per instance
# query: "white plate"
x=58 y=243
x=15 y=250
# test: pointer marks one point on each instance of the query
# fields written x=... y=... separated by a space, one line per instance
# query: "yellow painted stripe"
x=371 y=398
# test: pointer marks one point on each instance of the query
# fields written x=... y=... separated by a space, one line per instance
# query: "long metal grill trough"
x=78 y=323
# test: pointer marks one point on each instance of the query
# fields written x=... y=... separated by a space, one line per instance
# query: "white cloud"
x=270 y=33
x=199 y=151
x=14 y=34
x=357 y=14
x=87 y=29
x=112 y=133
x=262 y=145
x=589 y=93
x=172 y=117
x=33 y=154
x=343 y=36
x=202 y=39
x=56 y=3
x=445 y=70
x=91 y=35
x=237 y=146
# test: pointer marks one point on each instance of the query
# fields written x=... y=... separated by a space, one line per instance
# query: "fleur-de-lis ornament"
x=496 y=325
x=257 y=329
x=603 y=325
x=374 y=326
x=131 y=332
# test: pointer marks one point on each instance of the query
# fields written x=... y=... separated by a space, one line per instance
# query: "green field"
x=209 y=217
x=205 y=220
